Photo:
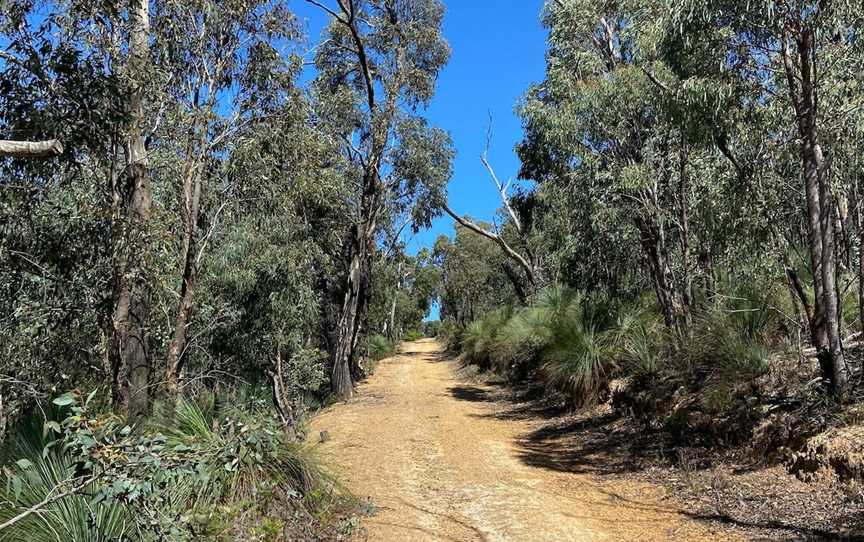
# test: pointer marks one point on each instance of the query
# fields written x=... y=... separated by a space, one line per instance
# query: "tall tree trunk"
x=345 y=365
x=132 y=359
x=825 y=325
x=859 y=219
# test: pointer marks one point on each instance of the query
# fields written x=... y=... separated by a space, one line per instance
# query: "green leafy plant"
x=169 y=477
x=380 y=347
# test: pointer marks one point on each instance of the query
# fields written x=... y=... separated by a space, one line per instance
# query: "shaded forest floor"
x=440 y=457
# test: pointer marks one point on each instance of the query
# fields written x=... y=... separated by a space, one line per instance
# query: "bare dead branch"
x=508 y=250
x=31 y=150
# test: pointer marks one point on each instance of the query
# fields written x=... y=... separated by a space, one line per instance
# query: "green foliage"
x=563 y=339
x=252 y=174
x=413 y=335
x=472 y=279
x=574 y=346
x=178 y=475
x=32 y=472
x=380 y=347
x=431 y=328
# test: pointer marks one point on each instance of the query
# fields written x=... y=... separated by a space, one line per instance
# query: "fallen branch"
x=47 y=502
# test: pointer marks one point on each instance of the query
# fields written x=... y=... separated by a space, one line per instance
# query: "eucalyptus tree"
x=78 y=72
x=600 y=120
x=802 y=58
x=376 y=67
x=403 y=293
x=225 y=70
x=472 y=274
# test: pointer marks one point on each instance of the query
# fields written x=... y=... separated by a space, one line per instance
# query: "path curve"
x=429 y=454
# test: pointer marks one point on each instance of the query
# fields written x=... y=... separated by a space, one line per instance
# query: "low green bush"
x=574 y=346
x=196 y=469
x=563 y=338
x=431 y=328
x=380 y=347
x=413 y=335
x=450 y=333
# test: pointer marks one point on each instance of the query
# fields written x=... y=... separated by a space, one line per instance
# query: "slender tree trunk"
x=132 y=360
x=843 y=227
x=191 y=213
x=706 y=264
x=281 y=400
x=514 y=279
x=658 y=269
x=3 y=420
x=684 y=223
x=393 y=334
x=839 y=372
x=860 y=225
x=825 y=326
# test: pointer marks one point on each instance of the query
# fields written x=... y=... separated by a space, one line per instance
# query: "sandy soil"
x=437 y=464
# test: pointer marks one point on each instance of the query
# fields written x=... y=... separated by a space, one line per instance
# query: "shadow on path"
x=604 y=444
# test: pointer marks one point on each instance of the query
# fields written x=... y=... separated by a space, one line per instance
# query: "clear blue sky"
x=498 y=50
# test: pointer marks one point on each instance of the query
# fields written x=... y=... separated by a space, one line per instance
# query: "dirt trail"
x=436 y=462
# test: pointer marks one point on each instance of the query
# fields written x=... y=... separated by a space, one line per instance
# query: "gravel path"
x=432 y=457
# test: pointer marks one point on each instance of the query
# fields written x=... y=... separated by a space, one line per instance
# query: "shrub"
x=478 y=340
x=577 y=358
x=431 y=328
x=451 y=334
x=640 y=343
x=203 y=467
x=380 y=347
x=563 y=337
x=413 y=335
x=32 y=472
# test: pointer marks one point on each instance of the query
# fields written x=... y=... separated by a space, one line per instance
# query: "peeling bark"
x=132 y=356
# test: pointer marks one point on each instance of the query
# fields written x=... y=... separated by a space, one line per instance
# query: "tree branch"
x=653 y=79
x=327 y=10
x=512 y=254
x=502 y=189
x=31 y=149
x=47 y=502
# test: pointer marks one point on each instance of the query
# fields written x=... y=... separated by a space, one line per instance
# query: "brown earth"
x=437 y=463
